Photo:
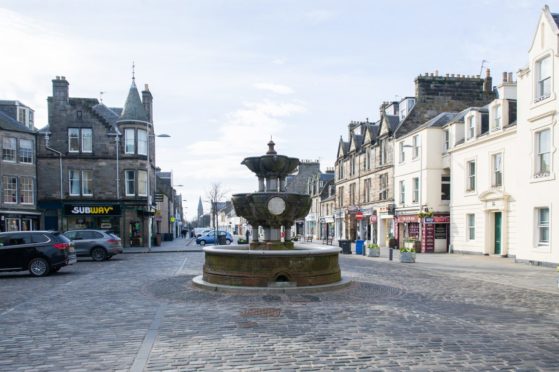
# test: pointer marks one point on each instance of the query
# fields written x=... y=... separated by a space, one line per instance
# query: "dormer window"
x=543 y=76
x=470 y=127
x=497 y=117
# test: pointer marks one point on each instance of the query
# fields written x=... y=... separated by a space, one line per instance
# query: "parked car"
x=100 y=245
x=210 y=237
x=40 y=252
x=199 y=231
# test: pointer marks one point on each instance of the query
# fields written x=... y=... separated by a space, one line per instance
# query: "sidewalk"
x=176 y=245
x=493 y=269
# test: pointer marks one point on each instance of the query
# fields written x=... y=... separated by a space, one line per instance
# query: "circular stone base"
x=201 y=283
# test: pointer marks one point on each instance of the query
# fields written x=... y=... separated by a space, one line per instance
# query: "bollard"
x=390 y=253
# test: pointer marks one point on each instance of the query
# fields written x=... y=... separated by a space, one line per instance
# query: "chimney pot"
x=510 y=78
x=63 y=77
x=504 y=77
x=146 y=87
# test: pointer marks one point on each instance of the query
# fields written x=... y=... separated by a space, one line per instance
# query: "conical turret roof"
x=133 y=108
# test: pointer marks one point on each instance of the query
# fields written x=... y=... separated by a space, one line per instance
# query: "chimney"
x=60 y=92
x=510 y=78
x=505 y=77
x=487 y=82
x=147 y=100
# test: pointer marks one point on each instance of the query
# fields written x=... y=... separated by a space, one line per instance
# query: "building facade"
x=18 y=172
x=96 y=165
x=537 y=160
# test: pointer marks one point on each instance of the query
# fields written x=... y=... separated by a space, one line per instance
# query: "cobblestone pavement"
x=140 y=312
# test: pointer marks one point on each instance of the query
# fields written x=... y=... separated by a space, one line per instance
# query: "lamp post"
x=148 y=198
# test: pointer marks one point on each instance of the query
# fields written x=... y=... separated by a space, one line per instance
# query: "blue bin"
x=359 y=246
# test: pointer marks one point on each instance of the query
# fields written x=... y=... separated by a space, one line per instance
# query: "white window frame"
x=87 y=182
x=9 y=189
x=542 y=155
x=142 y=183
x=542 y=225
x=9 y=149
x=415 y=191
x=470 y=127
x=74 y=182
x=543 y=78
x=26 y=151
x=415 y=146
x=130 y=183
x=402 y=192
x=74 y=140
x=402 y=153
x=26 y=190
x=470 y=226
x=497 y=117
x=129 y=141
x=446 y=140
x=497 y=169
x=142 y=142
x=471 y=178
x=87 y=140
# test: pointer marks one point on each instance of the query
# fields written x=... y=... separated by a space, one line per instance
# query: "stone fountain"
x=271 y=260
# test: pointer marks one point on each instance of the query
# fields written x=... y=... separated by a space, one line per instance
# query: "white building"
x=422 y=185
x=537 y=160
x=481 y=146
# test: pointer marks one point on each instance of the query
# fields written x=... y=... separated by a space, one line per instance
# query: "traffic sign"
x=359 y=216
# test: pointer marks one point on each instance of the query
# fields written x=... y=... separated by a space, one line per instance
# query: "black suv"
x=40 y=252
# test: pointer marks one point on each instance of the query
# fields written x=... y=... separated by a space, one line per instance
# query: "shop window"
x=9 y=149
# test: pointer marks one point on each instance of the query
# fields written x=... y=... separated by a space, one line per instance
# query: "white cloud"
x=275 y=88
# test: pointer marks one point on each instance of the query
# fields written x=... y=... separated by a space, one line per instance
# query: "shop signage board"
x=91 y=210
x=159 y=198
x=429 y=237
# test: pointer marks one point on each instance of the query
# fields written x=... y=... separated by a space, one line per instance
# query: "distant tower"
x=200 y=208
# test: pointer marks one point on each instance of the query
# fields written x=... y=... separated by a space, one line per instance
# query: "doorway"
x=498 y=228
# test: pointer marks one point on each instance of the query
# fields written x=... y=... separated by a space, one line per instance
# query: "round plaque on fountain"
x=276 y=206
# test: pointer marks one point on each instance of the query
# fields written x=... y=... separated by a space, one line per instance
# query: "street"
x=140 y=312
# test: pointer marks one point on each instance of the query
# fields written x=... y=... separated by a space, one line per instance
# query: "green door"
x=498 y=232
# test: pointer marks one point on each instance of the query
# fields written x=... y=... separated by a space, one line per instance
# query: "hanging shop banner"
x=91 y=210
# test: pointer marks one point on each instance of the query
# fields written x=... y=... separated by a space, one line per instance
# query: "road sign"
x=359 y=216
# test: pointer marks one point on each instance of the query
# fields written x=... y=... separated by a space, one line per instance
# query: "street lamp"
x=148 y=199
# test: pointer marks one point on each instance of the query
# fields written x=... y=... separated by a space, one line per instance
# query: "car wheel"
x=202 y=243
x=39 y=267
x=229 y=241
x=98 y=254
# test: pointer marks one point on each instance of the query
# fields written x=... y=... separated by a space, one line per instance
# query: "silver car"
x=100 y=245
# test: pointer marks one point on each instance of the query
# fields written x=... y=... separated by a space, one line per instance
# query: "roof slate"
x=133 y=108
x=9 y=123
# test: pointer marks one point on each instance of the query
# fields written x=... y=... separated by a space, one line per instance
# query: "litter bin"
x=345 y=245
x=359 y=247
x=222 y=239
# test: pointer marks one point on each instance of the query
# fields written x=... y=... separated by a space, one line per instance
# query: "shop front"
x=104 y=216
x=436 y=234
x=19 y=221
x=326 y=227
x=383 y=227
x=406 y=227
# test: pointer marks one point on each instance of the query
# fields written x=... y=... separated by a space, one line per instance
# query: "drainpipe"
x=59 y=159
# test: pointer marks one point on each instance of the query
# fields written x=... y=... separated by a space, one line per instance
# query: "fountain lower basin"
x=238 y=266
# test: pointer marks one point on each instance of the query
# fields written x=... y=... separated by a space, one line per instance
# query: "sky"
x=228 y=75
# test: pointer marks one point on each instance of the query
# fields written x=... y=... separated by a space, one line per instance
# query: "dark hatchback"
x=40 y=252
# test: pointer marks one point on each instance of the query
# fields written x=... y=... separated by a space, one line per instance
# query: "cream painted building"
x=537 y=156
x=480 y=147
